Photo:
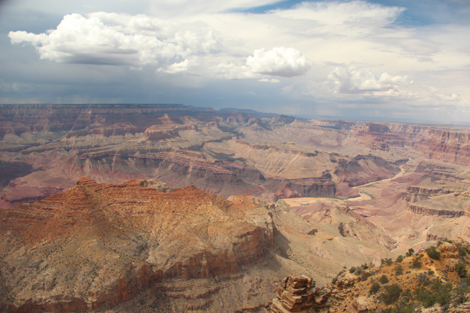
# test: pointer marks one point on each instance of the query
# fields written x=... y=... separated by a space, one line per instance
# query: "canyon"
x=168 y=208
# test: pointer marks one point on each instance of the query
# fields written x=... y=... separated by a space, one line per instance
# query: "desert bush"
x=387 y=262
x=399 y=259
x=416 y=262
x=391 y=294
x=433 y=253
x=461 y=291
x=398 y=270
x=410 y=252
x=462 y=250
x=352 y=270
x=461 y=270
x=436 y=292
x=374 y=288
x=383 y=279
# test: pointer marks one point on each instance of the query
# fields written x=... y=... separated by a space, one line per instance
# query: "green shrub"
x=374 y=288
x=399 y=259
x=462 y=251
x=383 y=279
x=398 y=270
x=461 y=291
x=416 y=263
x=461 y=270
x=406 y=295
x=391 y=294
x=410 y=252
x=352 y=270
x=433 y=253
x=437 y=292
x=387 y=262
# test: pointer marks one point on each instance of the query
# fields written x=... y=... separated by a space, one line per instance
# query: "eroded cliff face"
x=435 y=143
x=221 y=153
x=98 y=245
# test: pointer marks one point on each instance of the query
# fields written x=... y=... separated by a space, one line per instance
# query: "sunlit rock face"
x=97 y=245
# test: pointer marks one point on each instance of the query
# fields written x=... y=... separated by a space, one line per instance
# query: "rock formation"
x=221 y=153
x=96 y=245
x=294 y=294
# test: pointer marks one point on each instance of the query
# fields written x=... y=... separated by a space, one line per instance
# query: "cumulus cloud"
x=348 y=80
x=279 y=61
x=121 y=39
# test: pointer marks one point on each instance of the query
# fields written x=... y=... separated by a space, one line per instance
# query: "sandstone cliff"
x=97 y=245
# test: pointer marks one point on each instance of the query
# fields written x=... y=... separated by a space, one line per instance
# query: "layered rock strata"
x=294 y=294
x=431 y=211
x=97 y=245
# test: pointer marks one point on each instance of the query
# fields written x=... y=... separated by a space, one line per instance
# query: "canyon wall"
x=46 y=148
x=96 y=245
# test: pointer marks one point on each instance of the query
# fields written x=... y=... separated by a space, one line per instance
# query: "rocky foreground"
x=98 y=245
x=434 y=280
x=141 y=246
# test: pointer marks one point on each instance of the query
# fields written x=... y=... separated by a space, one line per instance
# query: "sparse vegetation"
x=433 y=253
x=398 y=270
x=391 y=294
x=410 y=252
x=462 y=251
x=387 y=262
x=352 y=270
x=399 y=259
x=383 y=279
x=436 y=292
x=461 y=270
x=374 y=288
x=417 y=261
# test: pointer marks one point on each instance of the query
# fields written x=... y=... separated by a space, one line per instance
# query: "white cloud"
x=349 y=80
x=121 y=39
x=266 y=80
x=343 y=13
x=180 y=67
x=279 y=61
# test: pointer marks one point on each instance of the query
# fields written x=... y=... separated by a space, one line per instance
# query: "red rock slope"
x=97 y=245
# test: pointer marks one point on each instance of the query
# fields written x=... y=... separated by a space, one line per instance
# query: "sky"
x=385 y=60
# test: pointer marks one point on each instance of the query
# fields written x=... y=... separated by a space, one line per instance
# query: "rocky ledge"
x=430 y=211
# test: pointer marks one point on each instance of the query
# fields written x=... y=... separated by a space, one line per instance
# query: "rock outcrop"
x=97 y=245
x=436 y=212
x=294 y=294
